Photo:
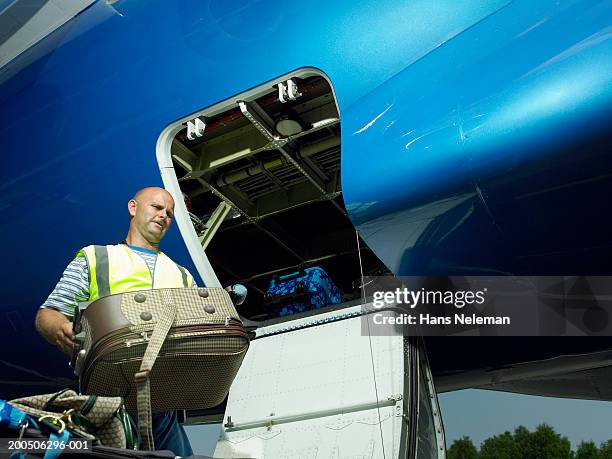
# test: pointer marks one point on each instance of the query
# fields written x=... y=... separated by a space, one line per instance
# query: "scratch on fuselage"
x=371 y=123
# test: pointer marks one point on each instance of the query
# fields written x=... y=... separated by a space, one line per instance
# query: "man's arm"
x=56 y=328
x=54 y=318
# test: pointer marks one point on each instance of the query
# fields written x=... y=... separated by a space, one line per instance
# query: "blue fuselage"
x=474 y=136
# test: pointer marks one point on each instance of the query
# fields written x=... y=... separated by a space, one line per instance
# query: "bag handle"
x=141 y=378
x=290 y=276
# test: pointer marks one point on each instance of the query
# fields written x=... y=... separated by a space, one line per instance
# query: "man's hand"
x=65 y=338
x=56 y=328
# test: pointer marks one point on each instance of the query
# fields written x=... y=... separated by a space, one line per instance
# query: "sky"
x=480 y=414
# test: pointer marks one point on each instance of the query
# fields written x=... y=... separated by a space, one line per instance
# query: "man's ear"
x=132 y=207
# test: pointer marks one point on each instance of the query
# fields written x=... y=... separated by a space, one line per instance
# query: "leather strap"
x=141 y=378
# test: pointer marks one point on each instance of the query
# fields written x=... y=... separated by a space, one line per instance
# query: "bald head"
x=145 y=193
x=151 y=212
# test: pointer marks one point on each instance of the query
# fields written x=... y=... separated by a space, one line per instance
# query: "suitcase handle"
x=76 y=329
x=288 y=277
x=274 y=300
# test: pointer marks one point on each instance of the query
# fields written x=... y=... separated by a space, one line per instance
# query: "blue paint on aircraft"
x=491 y=153
x=474 y=136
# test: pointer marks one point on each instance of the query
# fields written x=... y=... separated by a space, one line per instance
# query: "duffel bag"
x=66 y=415
x=22 y=443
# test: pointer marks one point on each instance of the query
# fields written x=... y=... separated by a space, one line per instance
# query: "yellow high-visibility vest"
x=117 y=269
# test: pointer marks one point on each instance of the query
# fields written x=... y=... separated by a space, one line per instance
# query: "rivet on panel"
x=209 y=308
x=203 y=293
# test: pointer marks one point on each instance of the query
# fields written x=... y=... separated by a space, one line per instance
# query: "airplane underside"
x=382 y=139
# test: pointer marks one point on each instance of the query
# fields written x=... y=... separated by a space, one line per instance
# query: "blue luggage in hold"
x=306 y=289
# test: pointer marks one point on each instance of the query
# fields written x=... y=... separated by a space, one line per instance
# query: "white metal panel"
x=25 y=23
x=315 y=389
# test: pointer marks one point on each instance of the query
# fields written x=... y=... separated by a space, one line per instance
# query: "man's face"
x=152 y=214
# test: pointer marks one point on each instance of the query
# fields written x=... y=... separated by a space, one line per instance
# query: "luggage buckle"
x=67 y=418
x=53 y=422
x=141 y=376
x=62 y=421
x=22 y=428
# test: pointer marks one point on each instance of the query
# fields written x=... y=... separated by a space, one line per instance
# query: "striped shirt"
x=73 y=287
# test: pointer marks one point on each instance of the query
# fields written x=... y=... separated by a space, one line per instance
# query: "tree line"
x=542 y=443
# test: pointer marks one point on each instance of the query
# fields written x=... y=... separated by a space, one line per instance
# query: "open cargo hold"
x=261 y=179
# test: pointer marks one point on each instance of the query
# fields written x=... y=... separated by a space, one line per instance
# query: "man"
x=135 y=264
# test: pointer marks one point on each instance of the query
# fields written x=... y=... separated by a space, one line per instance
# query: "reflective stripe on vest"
x=117 y=269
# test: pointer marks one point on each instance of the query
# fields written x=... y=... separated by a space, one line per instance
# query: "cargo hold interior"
x=261 y=180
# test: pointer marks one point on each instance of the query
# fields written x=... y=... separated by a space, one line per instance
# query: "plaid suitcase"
x=310 y=288
x=178 y=348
